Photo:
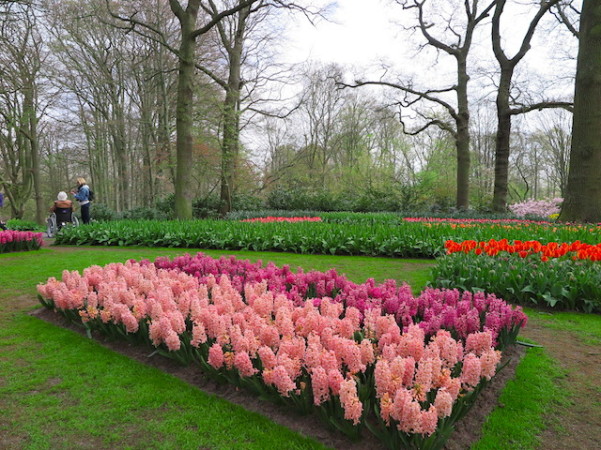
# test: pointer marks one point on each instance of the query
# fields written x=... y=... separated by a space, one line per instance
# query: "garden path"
x=578 y=426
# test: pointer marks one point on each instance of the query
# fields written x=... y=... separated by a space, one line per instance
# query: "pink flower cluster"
x=11 y=240
x=433 y=309
x=283 y=219
x=467 y=222
x=541 y=208
x=127 y=294
x=405 y=377
x=266 y=335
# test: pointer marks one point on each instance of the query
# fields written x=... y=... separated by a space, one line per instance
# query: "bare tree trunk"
x=583 y=193
x=502 y=142
x=462 y=136
x=504 y=110
x=31 y=123
x=183 y=122
x=231 y=114
x=230 y=146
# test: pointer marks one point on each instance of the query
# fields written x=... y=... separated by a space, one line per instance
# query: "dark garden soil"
x=467 y=430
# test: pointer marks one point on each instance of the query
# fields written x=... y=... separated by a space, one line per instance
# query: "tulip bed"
x=556 y=275
x=18 y=241
x=362 y=356
x=405 y=239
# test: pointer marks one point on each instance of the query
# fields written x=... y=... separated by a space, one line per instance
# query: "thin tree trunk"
x=231 y=132
x=32 y=136
x=229 y=151
x=231 y=112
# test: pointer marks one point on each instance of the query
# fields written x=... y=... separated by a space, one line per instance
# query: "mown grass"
x=533 y=392
x=586 y=326
x=60 y=390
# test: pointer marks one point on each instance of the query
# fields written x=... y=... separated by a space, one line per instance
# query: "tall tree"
x=232 y=32
x=190 y=31
x=21 y=57
x=454 y=39
x=583 y=195
x=506 y=108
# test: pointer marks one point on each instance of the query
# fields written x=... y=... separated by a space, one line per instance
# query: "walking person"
x=82 y=195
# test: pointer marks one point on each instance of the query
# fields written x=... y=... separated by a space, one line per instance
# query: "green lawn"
x=61 y=390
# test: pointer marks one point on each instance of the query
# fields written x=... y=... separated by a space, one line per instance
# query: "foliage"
x=372 y=236
x=206 y=207
x=559 y=283
x=303 y=198
x=23 y=225
x=298 y=198
x=166 y=205
x=241 y=201
x=18 y=241
x=141 y=213
x=102 y=213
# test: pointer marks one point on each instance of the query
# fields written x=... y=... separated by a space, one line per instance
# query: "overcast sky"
x=362 y=36
x=355 y=34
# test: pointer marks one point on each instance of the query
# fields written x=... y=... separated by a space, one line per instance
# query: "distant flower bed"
x=283 y=219
x=475 y=222
x=406 y=383
x=18 y=241
x=557 y=275
x=540 y=208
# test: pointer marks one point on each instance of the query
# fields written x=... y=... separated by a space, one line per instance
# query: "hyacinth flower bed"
x=405 y=240
x=359 y=369
x=269 y=219
x=18 y=241
x=556 y=275
x=460 y=312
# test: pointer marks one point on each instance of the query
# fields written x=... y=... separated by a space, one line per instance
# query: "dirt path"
x=578 y=426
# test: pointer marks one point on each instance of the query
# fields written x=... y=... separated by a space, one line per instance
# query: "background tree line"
x=187 y=101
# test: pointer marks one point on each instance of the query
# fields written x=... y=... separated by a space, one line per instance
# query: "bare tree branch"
x=523 y=109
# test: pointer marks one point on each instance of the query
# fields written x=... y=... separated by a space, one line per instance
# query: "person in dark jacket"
x=82 y=195
x=63 y=208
